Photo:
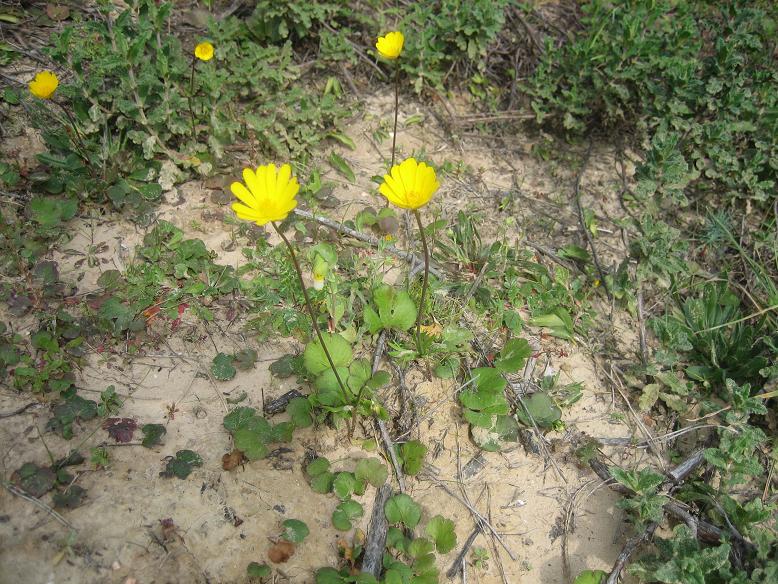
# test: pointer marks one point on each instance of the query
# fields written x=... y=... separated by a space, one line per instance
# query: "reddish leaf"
x=120 y=429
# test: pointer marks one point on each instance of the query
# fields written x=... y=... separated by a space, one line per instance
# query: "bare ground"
x=223 y=520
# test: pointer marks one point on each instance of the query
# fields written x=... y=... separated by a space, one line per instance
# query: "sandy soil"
x=223 y=520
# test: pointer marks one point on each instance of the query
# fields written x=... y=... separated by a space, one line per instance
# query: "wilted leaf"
x=70 y=498
x=232 y=459
x=33 y=479
x=245 y=359
x=280 y=552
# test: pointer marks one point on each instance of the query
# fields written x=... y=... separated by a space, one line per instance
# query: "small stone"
x=116 y=566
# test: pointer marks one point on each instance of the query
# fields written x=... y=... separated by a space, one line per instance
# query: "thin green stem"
x=190 y=96
x=309 y=306
x=420 y=314
x=396 y=108
x=78 y=140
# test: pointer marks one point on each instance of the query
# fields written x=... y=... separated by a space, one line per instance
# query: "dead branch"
x=363 y=237
x=372 y=561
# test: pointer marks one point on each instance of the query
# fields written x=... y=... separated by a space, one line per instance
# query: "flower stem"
x=78 y=140
x=420 y=314
x=310 y=309
x=190 y=96
x=396 y=108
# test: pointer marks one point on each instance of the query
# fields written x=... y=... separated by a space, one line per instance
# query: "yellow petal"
x=242 y=193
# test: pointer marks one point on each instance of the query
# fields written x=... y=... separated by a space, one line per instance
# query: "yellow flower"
x=391 y=45
x=204 y=51
x=411 y=184
x=268 y=195
x=44 y=85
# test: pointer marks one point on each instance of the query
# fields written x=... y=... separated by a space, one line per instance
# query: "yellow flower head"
x=268 y=195
x=391 y=45
x=410 y=185
x=44 y=85
x=204 y=51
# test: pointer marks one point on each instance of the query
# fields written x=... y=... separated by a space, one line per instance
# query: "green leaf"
x=591 y=577
x=295 y=530
x=182 y=465
x=402 y=509
x=300 y=412
x=315 y=360
x=250 y=443
x=513 y=356
x=372 y=470
x=255 y=570
x=345 y=513
x=542 y=408
x=420 y=547
x=283 y=367
x=322 y=483
x=441 y=530
x=339 y=164
x=240 y=417
x=343 y=485
x=49 y=212
x=329 y=576
x=396 y=310
x=317 y=466
x=412 y=454
x=222 y=368
x=152 y=434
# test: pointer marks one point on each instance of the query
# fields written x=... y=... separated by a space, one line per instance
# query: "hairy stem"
x=420 y=314
x=309 y=306
x=396 y=108
x=189 y=99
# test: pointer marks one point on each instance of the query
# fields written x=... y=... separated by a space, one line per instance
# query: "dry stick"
x=587 y=235
x=18 y=411
x=20 y=493
x=312 y=315
x=480 y=519
x=372 y=561
x=630 y=548
x=387 y=440
x=340 y=228
x=706 y=532
x=459 y=561
x=420 y=314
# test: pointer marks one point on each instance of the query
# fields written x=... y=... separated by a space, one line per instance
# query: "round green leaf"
x=295 y=530
x=402 y=509
x=315 y=360
x=372 y=470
